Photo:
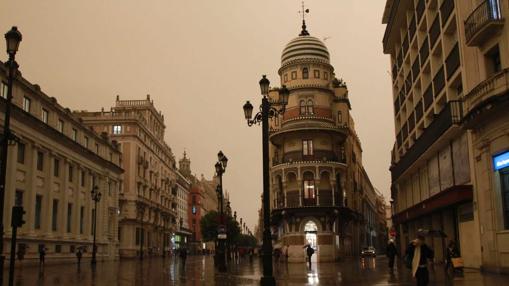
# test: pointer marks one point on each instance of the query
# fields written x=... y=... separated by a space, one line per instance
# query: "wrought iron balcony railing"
x=483 y=22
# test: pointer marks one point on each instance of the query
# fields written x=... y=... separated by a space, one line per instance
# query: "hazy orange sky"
x=200 y=60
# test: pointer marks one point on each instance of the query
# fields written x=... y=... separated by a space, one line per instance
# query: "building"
x=148 y=213
x=52 y=168
x=484 y=50
x=449 y=168
x=318 y=183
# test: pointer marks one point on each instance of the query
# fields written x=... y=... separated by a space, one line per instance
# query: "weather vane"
x=304 y=32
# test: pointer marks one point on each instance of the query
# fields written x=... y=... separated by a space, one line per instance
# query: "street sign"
x=221 y=236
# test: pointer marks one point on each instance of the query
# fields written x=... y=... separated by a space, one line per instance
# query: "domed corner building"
x=320 y=193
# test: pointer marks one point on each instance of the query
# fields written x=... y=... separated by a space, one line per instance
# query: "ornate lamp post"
x=268 y=109
x=12 y=38
x=96 y=197
x=220 y=166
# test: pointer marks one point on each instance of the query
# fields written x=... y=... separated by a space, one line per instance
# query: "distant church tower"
x=185 y=166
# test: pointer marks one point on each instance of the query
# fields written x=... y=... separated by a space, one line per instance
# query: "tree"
x=210 y=222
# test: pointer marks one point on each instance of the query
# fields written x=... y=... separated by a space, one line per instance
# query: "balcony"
x=324 y=198
x=450 y=115
x=319 y=156
x=483 y=22
x=486 y=94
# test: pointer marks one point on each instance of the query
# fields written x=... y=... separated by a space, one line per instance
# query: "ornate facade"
x=51 y=171
x=148 y=205
x=318 y=183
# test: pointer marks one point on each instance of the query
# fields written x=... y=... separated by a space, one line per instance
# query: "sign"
x=221 y=236
x=221 y=229
x=501 y=161
x=392 y=232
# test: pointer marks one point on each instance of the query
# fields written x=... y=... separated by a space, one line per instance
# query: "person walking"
x=452 y=252
x=417 y=255
x=183 y=255
x=309 y=251
x=42 y=254
x=391 y=253
x=79 y=254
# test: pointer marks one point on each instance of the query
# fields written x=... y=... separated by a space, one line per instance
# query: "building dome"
x=305 y=47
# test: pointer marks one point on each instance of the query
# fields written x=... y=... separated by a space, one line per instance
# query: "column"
x=30 y=190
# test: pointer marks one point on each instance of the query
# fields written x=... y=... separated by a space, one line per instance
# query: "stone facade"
x=148 y=203
x=319 y=188
x=51 y=170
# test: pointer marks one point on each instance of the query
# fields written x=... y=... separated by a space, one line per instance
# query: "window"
x=504 y=177
x=3 y=89
x=294 y=75
x=137 y=236
x=325 y=75
x=316 y=73
x=82 y=181
x=69 y=217
x=54 y=215
x=305 y=73
x=493 y=63
x=71 y=169
x=26 y=104
x=117 y=129
x=21 y=153
x=82 y=218
x=56 y=168
x=60 y=126
x=309 y=186
x=44 y=116
x=97 y=148
x=302 y=107
x=86 y=142
x=38 y=206
x=109 y=188
x=285 y=77
x=18 y=199
x=74 y=135
x=40 y=161
x=307 y=147
x=58 y=248
x=340 y=117
x=309 y=107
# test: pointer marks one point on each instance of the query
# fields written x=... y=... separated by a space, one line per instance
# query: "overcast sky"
x=200 y=60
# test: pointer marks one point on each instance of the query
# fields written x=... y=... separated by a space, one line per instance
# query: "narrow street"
x=200 y=271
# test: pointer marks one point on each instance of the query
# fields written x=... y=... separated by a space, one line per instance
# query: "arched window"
x=309 y=107
x=309 y=189
x=302 y=107
x=305 y=73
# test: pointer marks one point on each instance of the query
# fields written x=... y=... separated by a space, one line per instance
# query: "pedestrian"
x=79 y=254
x=452 y=252
x=391 y=253
x=309 y=252
x=417 y=255
x=42 y=254
x=183 y=255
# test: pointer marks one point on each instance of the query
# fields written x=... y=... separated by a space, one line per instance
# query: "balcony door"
x=309 y=189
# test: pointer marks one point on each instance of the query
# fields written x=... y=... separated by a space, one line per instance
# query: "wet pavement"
x=200 y=271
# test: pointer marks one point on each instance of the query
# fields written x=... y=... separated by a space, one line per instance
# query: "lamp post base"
x=268 y=281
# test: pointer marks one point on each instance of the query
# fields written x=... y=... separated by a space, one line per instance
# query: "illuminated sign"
x=194 y=209
x=501 y=161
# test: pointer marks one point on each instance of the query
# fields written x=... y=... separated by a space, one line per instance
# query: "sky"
x=200 y=60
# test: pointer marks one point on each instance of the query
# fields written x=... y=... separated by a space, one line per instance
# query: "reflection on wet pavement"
x=200 y=271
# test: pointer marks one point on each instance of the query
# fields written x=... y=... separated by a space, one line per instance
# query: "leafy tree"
x=245 y=240
x=209 y=223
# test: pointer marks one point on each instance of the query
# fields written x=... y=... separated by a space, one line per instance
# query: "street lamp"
x=268 y=110
x=220 y=167
x=12 y=38
x=96 y=197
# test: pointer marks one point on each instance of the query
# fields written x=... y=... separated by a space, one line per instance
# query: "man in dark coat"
x=391 y=253
x=418 y=253
x=309 y=251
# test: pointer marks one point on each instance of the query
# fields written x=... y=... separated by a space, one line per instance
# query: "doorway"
x=310 y=231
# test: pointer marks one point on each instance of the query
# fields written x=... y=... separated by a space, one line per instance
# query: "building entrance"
x=310 y=231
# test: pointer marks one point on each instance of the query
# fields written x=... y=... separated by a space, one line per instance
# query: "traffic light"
x=17 y=216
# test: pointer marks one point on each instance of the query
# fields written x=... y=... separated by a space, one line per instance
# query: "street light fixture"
x=12 y=38
x=220 y=167
x=268 y=110
x=96 y=197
